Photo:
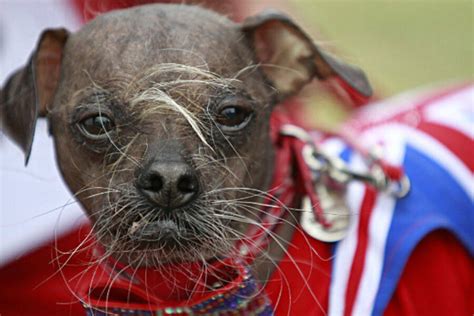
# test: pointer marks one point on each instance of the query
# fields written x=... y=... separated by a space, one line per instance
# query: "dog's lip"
x=164 y=234
x=153 y=230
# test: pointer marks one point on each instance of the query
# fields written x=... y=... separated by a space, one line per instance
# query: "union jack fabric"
x=408 y=256
x=431 y=136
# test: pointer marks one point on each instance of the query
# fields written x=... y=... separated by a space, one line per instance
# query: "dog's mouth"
x=151 y=236
x=164 y=232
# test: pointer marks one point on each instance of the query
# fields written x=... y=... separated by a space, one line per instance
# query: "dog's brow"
x=90 y=95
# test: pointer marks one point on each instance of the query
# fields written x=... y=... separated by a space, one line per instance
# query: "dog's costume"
x=400 y=256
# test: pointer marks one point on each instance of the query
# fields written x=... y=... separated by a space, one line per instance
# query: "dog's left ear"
x=30 y=91
x=290 y=59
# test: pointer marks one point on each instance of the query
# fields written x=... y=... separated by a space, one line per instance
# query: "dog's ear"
x=30 y=91
x=290 y=59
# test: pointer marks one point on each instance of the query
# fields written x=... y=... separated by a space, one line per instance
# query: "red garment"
x=33 y=286
x=447 y=268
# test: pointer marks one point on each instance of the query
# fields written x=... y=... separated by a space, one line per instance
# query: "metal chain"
x=337 y=170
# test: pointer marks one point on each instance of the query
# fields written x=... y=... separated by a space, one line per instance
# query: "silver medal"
x=335 y=211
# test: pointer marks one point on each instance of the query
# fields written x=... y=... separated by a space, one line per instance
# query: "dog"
x=168 y=126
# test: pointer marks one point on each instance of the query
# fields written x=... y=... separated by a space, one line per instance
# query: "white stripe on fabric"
x=346 y=248
x=442 y=156
x=379 y=225
x=455 y=111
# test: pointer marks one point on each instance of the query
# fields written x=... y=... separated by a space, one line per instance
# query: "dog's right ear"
x=290 y=59
x=30 y=91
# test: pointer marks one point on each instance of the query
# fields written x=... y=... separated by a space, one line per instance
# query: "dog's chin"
x=162 y=242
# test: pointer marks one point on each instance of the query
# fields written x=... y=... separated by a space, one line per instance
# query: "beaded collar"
x=241 y=296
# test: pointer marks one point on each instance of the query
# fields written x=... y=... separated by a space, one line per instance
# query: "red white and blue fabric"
x=411 y=256
x=431 y=136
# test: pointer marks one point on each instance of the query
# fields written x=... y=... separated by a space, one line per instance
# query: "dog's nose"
x=169 y=184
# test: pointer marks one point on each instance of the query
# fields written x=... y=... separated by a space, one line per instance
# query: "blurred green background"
x=400 y=44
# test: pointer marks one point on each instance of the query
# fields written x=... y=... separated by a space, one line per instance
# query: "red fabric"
x=33 y=286
x=115 y=285
x=447 y=272
x=454 y=140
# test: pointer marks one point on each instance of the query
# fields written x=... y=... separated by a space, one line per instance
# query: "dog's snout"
x=169 y=184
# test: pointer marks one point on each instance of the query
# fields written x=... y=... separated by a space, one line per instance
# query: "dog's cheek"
x=252 y=172
x=80 y=171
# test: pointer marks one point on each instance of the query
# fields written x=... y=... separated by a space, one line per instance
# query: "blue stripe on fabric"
x=435 y=201
x=346 y=154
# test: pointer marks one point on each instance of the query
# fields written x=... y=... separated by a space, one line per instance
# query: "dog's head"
x=160 y=116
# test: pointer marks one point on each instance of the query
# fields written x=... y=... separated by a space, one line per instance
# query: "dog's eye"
x=96 y=127
x=233 y=118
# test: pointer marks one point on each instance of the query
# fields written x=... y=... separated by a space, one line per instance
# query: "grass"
x=400 y=44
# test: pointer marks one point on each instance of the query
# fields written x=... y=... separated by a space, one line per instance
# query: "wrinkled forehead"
x=132 y=43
